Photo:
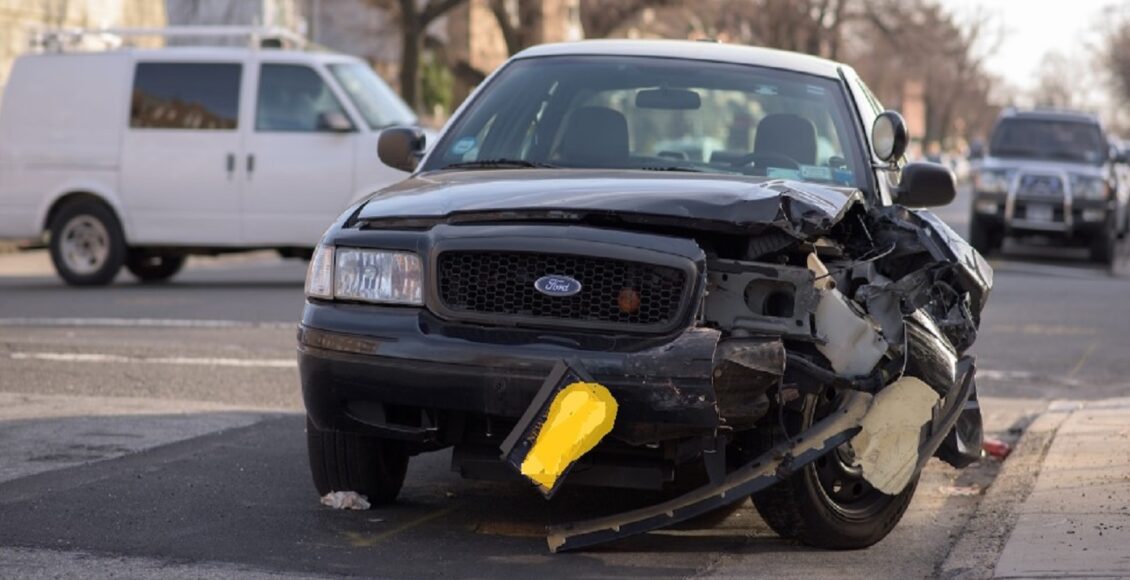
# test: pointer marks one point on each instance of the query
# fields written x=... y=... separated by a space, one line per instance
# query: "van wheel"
x=370 y=466
x=87 y=245
x=153 y=267
x=828 y=504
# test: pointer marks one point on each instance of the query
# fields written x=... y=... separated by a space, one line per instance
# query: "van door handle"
x=231 y=163
x=250 y=163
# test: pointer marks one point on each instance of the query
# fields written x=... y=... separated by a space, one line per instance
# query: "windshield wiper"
x=500 y=164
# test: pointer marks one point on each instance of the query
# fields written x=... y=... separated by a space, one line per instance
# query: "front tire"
x=87 y=245
x=154 y=267
x=1103 y=246
x=828 y=504
x=984 y=237
x=370 y=466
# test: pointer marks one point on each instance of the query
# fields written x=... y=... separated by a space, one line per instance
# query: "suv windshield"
x=373 y=98
x=1049 y=139
x=657 y=114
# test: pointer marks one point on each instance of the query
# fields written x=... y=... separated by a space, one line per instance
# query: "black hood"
x=689 y=200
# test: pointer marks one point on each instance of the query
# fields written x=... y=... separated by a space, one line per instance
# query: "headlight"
x=1085 y=187
x=378 y=276
x=320 y=274
x=992 y=181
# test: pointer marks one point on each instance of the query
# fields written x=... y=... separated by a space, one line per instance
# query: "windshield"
x=376 y=102
x=1049 y=139
x=657 y=114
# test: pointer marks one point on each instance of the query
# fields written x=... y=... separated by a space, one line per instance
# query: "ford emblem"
x=554 y=285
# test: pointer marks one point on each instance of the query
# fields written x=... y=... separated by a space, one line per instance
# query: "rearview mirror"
x=925 y=184
x=334 y=121
x=401 y=147
x=889 y=136
x=668 y=99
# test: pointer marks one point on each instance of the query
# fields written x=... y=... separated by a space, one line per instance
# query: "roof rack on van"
x=62 y=39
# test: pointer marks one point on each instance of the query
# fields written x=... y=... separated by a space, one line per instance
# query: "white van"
x=141 y=157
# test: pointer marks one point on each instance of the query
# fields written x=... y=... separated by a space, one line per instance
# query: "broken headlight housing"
x=1087 y=187
x=380 y=276
x=992 y=181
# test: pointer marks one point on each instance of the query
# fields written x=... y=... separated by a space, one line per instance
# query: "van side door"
x=299 y=156
x=179 y=173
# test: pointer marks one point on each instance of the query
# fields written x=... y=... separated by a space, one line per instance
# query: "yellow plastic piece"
x=579 y=417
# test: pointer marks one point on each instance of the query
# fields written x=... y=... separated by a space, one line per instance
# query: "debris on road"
x=346 y=500
x=996 y=448
x=960 y=490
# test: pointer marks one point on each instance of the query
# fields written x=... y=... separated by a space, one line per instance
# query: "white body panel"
x=65 y=129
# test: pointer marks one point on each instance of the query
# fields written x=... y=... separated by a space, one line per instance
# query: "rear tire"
x=87 y=245
x=370 y=466
x=154 y=267
x=827 y=504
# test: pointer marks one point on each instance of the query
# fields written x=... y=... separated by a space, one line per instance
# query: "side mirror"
x=889 y=136
x=925 y=184
x=334 y=121
x=401 y=147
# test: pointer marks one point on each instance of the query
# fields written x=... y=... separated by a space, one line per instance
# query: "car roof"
x=691 y=50
x=1052 y=115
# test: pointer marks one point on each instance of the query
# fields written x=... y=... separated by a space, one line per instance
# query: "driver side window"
x=293 y=98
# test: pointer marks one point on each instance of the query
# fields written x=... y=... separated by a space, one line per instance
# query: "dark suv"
x=716 y=240
x=1050 y=174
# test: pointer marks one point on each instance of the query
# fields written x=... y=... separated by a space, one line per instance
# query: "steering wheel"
x=752 y=157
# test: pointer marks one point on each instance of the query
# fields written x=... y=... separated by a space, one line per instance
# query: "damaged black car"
x=654 y=265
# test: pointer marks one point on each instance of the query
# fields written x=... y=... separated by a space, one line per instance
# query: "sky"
x=1032 y=28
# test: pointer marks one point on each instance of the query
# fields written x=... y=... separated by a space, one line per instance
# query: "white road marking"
x=142 y=323
x=174 y=360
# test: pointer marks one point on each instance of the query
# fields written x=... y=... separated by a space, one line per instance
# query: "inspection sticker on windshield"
x=463 y=145
x=816 y=172
x=815 y=90
x=782 y=173
x=768 y=90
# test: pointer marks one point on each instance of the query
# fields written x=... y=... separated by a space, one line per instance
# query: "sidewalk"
x=1075 y=523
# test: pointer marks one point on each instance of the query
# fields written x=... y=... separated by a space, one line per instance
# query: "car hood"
x=680 y=199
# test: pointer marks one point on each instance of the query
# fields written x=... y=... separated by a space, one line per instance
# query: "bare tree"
x=601 y=18
x=414 y=17
x=1114 y=49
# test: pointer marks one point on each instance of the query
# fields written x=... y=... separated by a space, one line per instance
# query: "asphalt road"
x=155 y=431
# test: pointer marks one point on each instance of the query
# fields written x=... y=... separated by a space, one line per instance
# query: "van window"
x=185 y=96
x=293 y=98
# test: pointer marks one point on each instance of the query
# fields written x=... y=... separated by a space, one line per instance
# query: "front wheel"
x=984 y=238
x=87 y=245
x=1104 y=244
x=154 y=267
x=828 y=504
x=370 y=466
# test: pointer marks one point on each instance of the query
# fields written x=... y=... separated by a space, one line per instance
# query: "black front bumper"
x=359 y=362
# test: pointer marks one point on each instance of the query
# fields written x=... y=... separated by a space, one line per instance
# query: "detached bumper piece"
x=778 y=463
x=773 y=466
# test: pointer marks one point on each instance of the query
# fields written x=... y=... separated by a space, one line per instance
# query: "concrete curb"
x=981 y=542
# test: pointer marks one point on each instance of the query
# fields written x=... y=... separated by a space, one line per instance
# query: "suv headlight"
x=992 y=181
x=365 y=275
x=378 y=276
x=1086 y=187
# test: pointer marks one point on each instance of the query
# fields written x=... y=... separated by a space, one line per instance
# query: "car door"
x=178 y=166
x=299 y=157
